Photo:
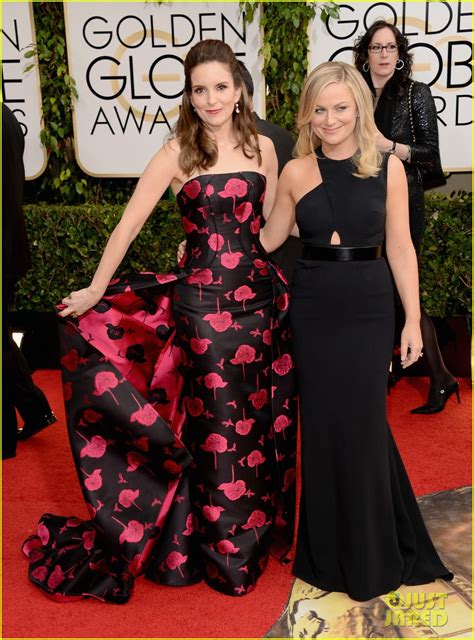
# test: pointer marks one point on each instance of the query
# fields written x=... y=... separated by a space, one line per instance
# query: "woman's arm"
x=157 y=176
x=282 y=218
x=270 y=168
x=425 y=126
x=402 y=259
x=426 y=148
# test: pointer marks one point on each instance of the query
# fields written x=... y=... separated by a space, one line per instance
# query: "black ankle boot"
x=437 y=399
x=33 y=427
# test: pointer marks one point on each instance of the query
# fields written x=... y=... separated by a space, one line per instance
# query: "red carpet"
x=436 y=451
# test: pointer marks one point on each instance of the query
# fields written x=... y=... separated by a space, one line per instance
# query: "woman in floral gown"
x=179 y=387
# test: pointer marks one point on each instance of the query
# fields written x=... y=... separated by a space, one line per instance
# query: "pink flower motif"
x=214 y=381
x=30 y=546
x=145 y=415
x=132 y=532
x=127 y=497
x=283 y=364
x=200 y=277
x=281 y=423
x=188 y=226
x=254 y=459
x=282 y=302
x=234 y=187
x=244 y=293
x=199 y=345
x=226 y=547
x=92 y=416
x=56 y=577
x=215 y=443
x=67 y=391
x=135 y=460
x=243 y=427
x=93 y=480
x=141 y=443
x=191 y=524
x=243 y=211
x=233 y=490
x=245 y=354
x=174 y=561
x=255 y=226
x=256 y=519
x=195 y=406
x=70 y=360
x=88 y=538
x=209 y=190
x=212 y=513
x=220 y=322
x=103 y=382
x=288 y=479
x=267 y=336
x=43 y=533
x=40 y=573
x=192 y=189
x=215 y=241
x=95 y=448
x=172 y=467
x=259 y=398
x=164 y=278
x=231 y=259
x=73 y=522
x=261 y=266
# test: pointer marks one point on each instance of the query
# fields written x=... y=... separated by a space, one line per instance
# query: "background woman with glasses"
x=404 y=112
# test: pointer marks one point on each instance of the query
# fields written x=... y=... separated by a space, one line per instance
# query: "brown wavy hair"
x=198 y=150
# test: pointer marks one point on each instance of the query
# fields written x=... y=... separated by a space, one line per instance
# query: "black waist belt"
x=342 y=254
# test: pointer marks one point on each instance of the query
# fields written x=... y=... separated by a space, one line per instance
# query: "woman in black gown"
x=407 y=126
x=178 y=387
x=360 y=529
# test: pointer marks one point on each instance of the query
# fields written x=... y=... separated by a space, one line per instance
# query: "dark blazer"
x=289 y=252
x=16 y=252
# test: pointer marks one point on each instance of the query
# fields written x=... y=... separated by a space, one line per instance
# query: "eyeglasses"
x=377 y=48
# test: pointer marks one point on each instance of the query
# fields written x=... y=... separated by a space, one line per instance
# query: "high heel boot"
x=437 y=399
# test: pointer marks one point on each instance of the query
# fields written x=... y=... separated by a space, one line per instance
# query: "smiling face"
x=213 y=93
x=335 y=117
x=382 y=63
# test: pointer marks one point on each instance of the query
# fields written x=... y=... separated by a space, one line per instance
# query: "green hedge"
x=446 y=256
x=67 y=243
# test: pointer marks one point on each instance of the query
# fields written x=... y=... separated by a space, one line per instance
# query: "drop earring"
x=237 y=108
x=399 y=64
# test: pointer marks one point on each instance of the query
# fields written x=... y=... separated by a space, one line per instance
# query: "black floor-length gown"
x=181 y=415
x=360 y=529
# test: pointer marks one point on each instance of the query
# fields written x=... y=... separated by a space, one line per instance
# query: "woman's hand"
x=78 y=302
x=181 y=251
x=411 y=344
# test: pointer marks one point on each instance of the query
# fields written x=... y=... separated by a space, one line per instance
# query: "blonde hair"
x=367 y=159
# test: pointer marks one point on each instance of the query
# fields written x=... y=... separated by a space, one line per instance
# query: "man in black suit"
x=19 y=390
x=289 y=252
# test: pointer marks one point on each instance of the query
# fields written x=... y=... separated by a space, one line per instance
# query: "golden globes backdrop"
x=21 y=91
x=440 y=35
x=127 y=60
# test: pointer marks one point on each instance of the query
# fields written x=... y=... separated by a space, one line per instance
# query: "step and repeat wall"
x=127 y=61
